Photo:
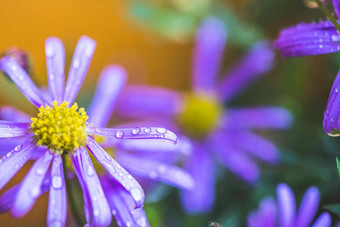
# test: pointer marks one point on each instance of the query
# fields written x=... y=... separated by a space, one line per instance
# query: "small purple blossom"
x=61 y=129
x=201 y=117
x=310 y=38
x=282 y=213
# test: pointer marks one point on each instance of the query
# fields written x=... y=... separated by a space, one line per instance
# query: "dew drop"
x=34 y=191
x=136 y=131
x=161 y=130
x=49 y=51
x=9 y=154
x=96 y=212
x=119 y=134
x=128 y=224
x=88 y=51
x=129 y=177
x=114 y=212
x=57 y=182
x=18 y=148
x=76 y=63
x=147 y=130
x=40 y=171
x=108 y=157
x=51 y=76
x=141 y=221
x=137 y=194
x=90 y=171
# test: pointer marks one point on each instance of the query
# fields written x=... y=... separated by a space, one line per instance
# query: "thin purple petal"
x=143 y=102
x=79 y=66
x=55 y=62
x=57 y=201
x=10 y=129
x=117 y=172
x=255 y=145
x=265 y=216
x=14 y=160
x=98 y=209
x=308 y=207
x=211 y=38
x=258 y=117
x=9 y=113
x=123 y=206
x=110 y=84
x=157 y=133
x=31 y=185
x=22 y=80
x=259 y=60
x=286 y=205
x=324 y=220
x=169 y=174
x=202 y=169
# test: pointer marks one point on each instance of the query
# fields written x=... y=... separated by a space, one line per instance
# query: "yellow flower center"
x=60 y=128
x=200 y=115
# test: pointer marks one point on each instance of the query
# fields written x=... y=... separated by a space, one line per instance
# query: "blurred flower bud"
x=312 y=3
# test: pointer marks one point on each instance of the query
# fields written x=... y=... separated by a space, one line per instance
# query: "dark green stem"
x=328 y=15
x=71 y=198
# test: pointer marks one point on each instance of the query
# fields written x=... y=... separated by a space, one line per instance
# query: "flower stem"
x=328 y=15
x=71 y=198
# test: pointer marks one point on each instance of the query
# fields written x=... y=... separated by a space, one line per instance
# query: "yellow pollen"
x=200 y=115
x=60 y=128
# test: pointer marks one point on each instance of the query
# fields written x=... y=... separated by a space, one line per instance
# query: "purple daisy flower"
x=60 y=129
x=200 y=115
x=283 y=214
x=310 y=38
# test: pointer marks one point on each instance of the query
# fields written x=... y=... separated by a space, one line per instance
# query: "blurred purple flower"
x=61 y=129
x=283 y=214
x=310 y=38
x=200 y=116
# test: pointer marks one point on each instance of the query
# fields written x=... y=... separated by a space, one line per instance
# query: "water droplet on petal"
x=76 y=63
x=90 y=171
x=108 y=157
x=161 y=130
x=57 y=182
x=34 y=191
x=40 y=171
x=141 y=221
x=114 y=212
x=119 y=134
x=49 y=51
x=96 y=212
x=147 y=130
x=137 y=194
x=9 y=154
x=18 y=148
x=136 y=131
x=128 y=224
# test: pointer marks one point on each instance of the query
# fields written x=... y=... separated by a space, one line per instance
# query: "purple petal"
x=55 y=62
x=10 y=129
x=57 y=201
x=255 y=145
x=30 y=186
x=79 y=66
x=98 y=209
x=143 y=102
x=123 y=206
x=117 y=172
x=331 y=115
x=258 y=117
x=324 y=220
x=169 y=174
x=308 y=207
x=109 y=87
x=234 y=159
x=211 y=38
x=157 y=133
x=286 y=205
x=9 y=113
x=201 y=167
x=14 y=160
x=265 y=216
x=259 y=60
x=22 y=80
x=183 y=146
x=308 y=39
x=8 y=198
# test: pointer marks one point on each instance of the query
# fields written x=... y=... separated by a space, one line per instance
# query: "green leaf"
x=334 y=208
